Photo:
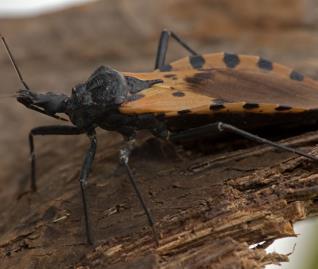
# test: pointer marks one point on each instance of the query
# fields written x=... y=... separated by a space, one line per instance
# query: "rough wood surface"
x=209 y=208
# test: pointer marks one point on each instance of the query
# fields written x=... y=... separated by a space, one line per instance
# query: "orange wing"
x=225 y=83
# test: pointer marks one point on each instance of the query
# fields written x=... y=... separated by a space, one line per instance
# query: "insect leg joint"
x=125 y=151
x=220 y=126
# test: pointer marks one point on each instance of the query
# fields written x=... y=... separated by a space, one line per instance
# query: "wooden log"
x=209 y=209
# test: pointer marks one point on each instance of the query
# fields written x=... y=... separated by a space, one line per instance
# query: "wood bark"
x=209 y=209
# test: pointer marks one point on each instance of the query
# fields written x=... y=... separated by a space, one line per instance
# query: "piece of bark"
x=208 y=208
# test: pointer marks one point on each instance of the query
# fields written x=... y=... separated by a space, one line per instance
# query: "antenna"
x=31 y=106
x=14 y=63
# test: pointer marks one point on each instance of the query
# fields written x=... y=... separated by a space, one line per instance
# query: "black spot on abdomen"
x=165 y=68
x=265 y=64
x=216 y=107
x=231 y=60
x=178 y=94
x=283 y=108
x=250 y=106
x=185 y=111
x=196 y=61
x=296 y=76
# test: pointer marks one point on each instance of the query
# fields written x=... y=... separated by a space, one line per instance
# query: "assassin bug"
x=201 y=95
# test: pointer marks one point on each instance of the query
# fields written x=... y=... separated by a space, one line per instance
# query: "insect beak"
x=47 y=104
x=25 y=97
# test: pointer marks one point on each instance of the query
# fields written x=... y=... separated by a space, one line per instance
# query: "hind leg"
x=218 y=127
x=163 y=47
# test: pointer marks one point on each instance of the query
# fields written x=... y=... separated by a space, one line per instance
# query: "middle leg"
x=124 y=159
x=86 y=168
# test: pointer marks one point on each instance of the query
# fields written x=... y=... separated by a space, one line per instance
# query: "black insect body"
x=175 y=102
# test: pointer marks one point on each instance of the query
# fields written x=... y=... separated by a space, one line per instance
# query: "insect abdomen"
x=235 y=61
x=221 y=83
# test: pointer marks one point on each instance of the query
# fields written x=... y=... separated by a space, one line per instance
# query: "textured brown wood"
x=208 y=209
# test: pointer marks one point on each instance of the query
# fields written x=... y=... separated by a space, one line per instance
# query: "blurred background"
x=58 y=44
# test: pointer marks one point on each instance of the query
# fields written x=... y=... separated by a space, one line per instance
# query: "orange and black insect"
x=200 y=95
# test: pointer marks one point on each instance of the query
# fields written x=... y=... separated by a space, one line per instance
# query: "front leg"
x=67 y=130
x=47 y=130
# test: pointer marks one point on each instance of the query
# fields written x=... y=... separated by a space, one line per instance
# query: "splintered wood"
x=209 y=209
